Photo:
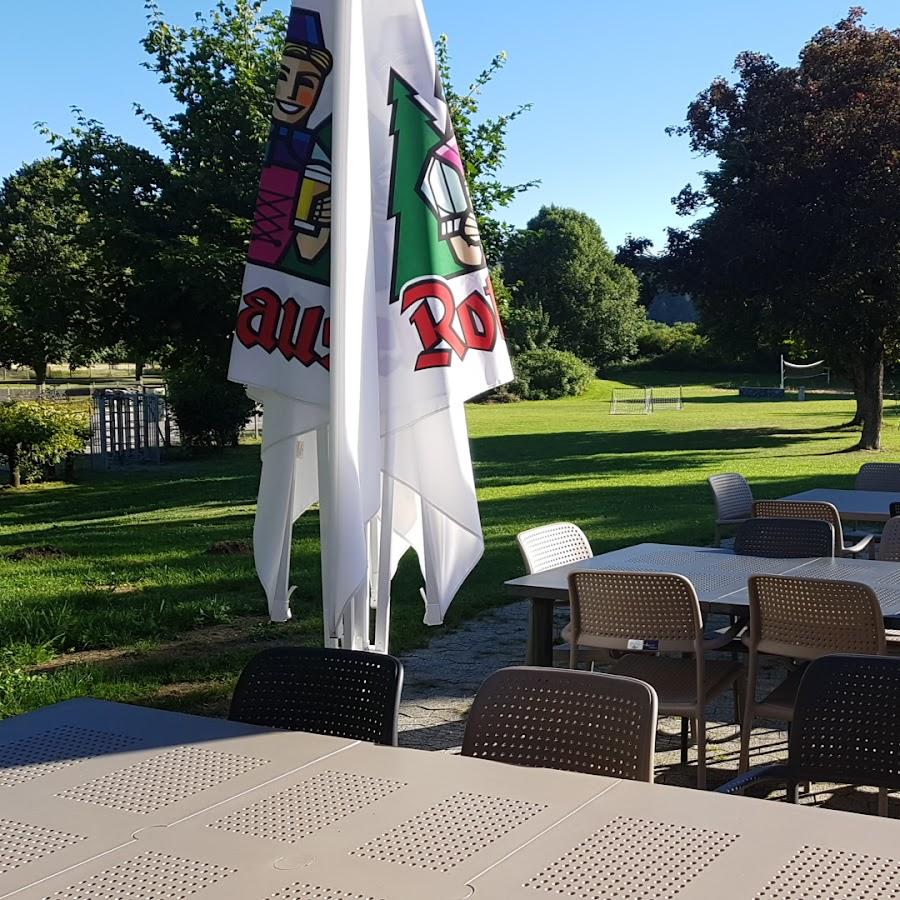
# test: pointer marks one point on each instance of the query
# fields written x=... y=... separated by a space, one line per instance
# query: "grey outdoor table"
x=854 y=506
x=107 y=802
x=718 y=575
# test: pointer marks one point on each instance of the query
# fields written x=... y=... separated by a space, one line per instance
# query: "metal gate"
x=125 y=427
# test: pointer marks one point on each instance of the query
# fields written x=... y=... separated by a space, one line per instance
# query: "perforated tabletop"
x=718 y=575
x=311 y=818
x=859 y=506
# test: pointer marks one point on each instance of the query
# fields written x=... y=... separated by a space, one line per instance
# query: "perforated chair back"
x=894 y=509
x=553 y=545
x=562 y=719
x=847 y=721
x=784 y=538
x=609 y=609
x=805 y=618
x=889 y=547
x=345 y=693
x=732 y=495
x=802 y=509
x=878 y=477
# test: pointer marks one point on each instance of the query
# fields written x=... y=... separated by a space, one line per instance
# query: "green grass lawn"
x=139 y=610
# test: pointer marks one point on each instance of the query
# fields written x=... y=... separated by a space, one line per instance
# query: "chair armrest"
x=763 y=775
x=726 y=637
x=859 y=546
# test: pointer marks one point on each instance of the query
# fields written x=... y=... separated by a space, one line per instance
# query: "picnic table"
x=102 y=800
x=718 y=575
x=854 y=506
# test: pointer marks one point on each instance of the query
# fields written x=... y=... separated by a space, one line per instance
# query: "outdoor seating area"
x=696 y=622
x=347 y=549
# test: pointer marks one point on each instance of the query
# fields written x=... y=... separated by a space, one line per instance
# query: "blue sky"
x=605 y=78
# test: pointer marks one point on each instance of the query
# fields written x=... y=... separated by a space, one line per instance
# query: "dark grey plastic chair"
x=846 y=729
x=345 y=693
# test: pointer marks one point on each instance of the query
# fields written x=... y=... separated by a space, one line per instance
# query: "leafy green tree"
x=560 y=263
x=40 y=433
x=46 y=277
x=802 y=238
x=126 y=191
x=482 y=144
x=636 y=253
x=174 y=229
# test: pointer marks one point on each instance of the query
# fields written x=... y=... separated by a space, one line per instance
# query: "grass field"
x=138 y=609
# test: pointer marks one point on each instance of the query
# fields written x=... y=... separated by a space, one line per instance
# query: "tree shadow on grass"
x=510 y=458
x=225 y=479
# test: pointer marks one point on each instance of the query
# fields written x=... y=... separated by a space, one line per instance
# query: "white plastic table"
x=854 y=506
x=107 y=802
x=718 y=575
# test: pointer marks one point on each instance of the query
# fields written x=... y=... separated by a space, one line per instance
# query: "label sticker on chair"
x=643 y=646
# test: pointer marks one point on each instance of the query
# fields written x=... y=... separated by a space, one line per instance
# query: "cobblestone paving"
x=442 y=679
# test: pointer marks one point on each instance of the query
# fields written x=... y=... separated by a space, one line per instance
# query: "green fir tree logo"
x=420 y=248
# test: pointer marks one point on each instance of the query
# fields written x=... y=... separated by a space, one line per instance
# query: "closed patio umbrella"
x=367 y=318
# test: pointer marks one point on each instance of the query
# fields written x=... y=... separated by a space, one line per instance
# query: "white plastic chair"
x=549 y=546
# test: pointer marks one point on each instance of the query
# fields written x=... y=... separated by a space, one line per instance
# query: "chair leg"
x=793 y=793
x=701 y=749
x=747 y=718
x=882 y=802
x=684 y=741
x=573 y=655
x=717 y=541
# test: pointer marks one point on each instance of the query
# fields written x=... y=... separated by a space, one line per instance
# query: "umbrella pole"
x=383 y=597
x=323 y=447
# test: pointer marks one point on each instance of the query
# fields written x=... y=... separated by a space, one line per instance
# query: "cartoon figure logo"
x=444 y=187
x=437 y=246
x=292 y=222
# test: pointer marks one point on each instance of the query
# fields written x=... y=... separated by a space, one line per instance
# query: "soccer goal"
x=800 y=372
x=643 y=401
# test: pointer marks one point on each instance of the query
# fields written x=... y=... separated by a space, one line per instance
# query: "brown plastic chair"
x=878 y=476
x=659 y=613
x=889 y=547
x=813 y=509
x=803 y=619
x=560 y=719
x=733 y=498
x=784 y=538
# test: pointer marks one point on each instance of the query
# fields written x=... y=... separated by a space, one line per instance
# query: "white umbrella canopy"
x=367 y=318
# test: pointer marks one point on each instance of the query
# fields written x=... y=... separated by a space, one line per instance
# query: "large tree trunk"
x=15 y=473
x=870 y=399
x=859 y=415
x=40 y=374
x=139 y=371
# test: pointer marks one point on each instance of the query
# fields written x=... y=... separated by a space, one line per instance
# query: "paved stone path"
x=442 y=679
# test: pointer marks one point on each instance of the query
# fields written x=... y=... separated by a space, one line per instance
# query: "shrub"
x=528 y=328
x=35 y=434
x=680 y=347
x=210 y=410
x=546 y=374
